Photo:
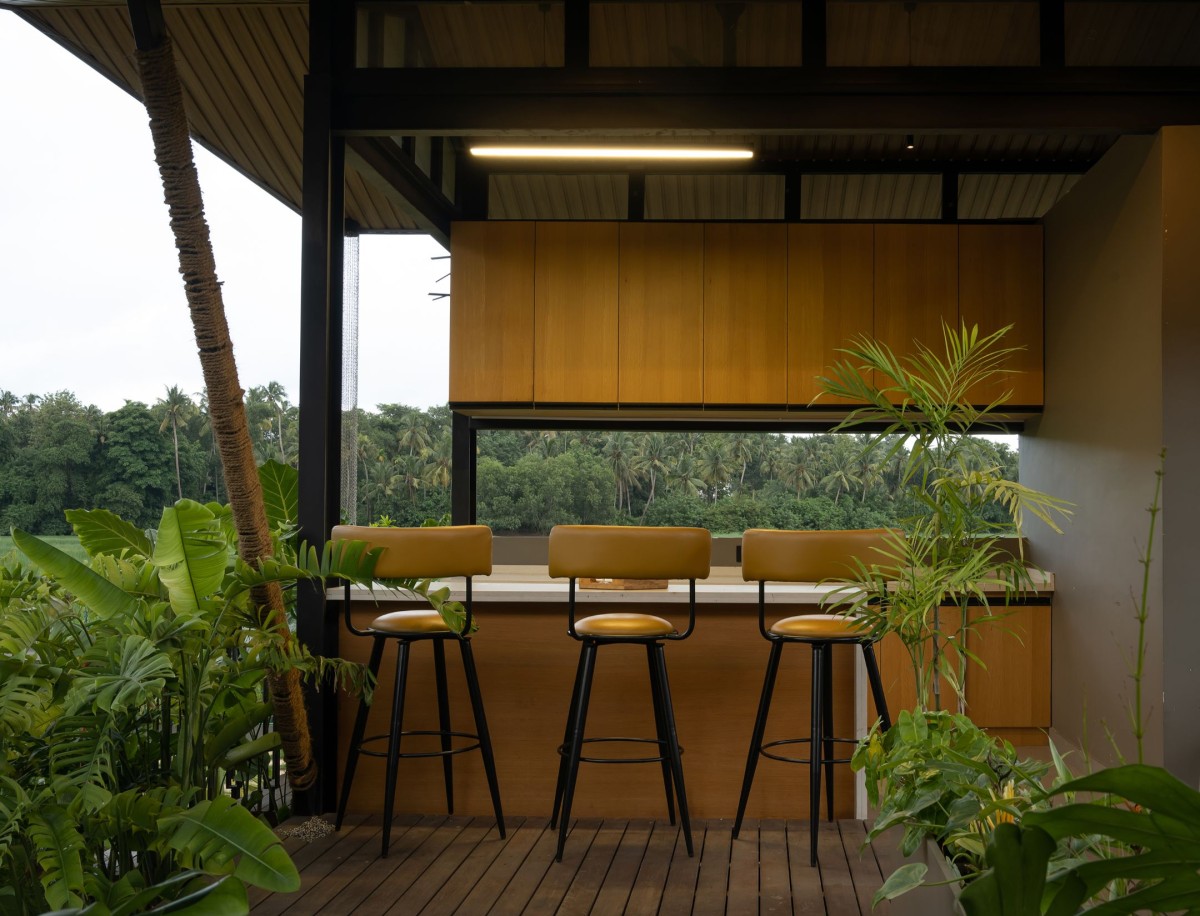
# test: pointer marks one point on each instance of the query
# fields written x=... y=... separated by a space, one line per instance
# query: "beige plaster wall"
x=1098 y=441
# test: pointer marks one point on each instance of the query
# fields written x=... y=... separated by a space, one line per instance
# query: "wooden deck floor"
x=441 y=865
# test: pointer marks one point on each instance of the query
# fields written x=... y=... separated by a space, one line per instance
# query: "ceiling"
x=243 y=62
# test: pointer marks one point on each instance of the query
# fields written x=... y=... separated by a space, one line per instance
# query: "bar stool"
x=421 y=553
x=603 y=551
x=808 y=556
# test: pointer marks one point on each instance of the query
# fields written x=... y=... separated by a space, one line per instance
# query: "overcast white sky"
x=90 y=296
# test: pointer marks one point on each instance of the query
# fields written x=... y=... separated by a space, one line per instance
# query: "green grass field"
x=67 y=543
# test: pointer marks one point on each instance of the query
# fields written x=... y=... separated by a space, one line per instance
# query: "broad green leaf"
x=221 y=837
x=281 y=487
x=251 y=749
x=91 y=590
x=901 y=881
x=59 y=855
x=224 y=897
x=102 y=532
x=234 y=731
x=191 y=554
x=1148 y=786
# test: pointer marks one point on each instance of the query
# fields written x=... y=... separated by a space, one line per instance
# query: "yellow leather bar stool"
x=808 y=556
x=604 y=551
x=422 y=553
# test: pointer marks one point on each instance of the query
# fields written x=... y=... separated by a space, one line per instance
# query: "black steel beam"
x=904 y=99
x=146 y=22
x=577 y=28
x=392 y=170
x=1052 y=32
x=813 y=33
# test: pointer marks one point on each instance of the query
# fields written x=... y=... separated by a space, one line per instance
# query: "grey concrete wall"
x=1097 y=443
x=1181 y=421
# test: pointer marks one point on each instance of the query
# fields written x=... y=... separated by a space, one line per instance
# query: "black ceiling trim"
x=909 y=99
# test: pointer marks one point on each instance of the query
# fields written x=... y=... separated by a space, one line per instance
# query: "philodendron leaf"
x=281 y=487
x=191 y=554
x=59 y=856
x=102 y=532
x=901 y=881
x=221 y=837
x=91 y=590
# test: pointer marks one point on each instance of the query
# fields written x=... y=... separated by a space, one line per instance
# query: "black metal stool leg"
x=393 y=758
x=360 y=726
x=566 y=742
x=660 y=659
x=814 y=760
x=443 y=699
x=760 y=726
x=578 y=722
x=661 y=732
x=876 y=683
x=485 y=738
x=827 y=725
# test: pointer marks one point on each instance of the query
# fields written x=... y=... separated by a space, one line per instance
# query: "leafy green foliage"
x=949 y=554
x=131 y=692
x=938 y=775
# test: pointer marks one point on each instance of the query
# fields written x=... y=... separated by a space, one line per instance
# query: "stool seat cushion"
x=612 y=625
x=818 y=626
x=404 y=623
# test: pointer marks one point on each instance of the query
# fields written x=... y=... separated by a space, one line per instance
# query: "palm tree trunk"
x=181 y=189
x=175 y=439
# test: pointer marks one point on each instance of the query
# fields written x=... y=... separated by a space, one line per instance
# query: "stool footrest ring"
x=362 y=749
x=763 y=750
x=564 y=751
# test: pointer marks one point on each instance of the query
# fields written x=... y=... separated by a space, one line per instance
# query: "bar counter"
x=527 y=663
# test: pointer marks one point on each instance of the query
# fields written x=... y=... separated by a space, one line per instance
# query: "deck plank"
x=774 y=880
x=808 y=896
x=840 y=899
x=367 y=885
x=441 y=865
x=477 y=863
x=713 y=883
x=679 y=892
x=742 y=896
x=651 y=880
x=441 y=871
x=559 y=876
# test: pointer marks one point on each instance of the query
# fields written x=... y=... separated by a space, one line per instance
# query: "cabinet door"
x=491 y=312
x=1011 y=688
x=661 y=308
x=916 y=285
x=830 y=299
x=745 y=313
x=575 y=313
x=1000 y=283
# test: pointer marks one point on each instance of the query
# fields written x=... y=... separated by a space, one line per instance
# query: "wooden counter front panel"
x=491 y=312
x=526 y=667
x=916 y=285
x=1000 y=283
x=830 y=299
x=745 y=313
x=575 y=313
x=661 y=313
x=1010 y=690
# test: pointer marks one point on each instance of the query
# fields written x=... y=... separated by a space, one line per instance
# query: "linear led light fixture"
x=613 y=152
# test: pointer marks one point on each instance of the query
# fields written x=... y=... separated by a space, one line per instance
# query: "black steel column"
x=320 y=381
x=813 y=34
x=950 y=196
x=1052 y=32
x=462 y=460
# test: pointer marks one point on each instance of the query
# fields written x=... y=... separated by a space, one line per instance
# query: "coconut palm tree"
x=652 y=460
x=177 y=408
x=181 y=189
x=618 y=452
x=684 y=476
x=413 y=433
x=276 y=398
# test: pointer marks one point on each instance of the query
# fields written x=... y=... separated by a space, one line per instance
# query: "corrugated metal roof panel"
x=750 y=197
x=837 y=197
x=558 y=197
x=1011 y=196
x=1145 y=34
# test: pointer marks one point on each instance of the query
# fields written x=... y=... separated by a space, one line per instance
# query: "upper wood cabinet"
x=916 y=284
x=661 y=313
x=999 y=284
x=575 y=313
x=491 y=312
x=745 y=313
x=830 y=299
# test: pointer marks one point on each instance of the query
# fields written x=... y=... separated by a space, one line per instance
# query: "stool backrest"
x=618 y=552
x=809 y=556
x=425 y=553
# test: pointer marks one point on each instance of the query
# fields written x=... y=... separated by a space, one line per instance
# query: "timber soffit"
x=243 y=64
